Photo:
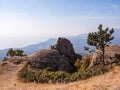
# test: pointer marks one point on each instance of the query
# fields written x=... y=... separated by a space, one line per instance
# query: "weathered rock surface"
x=112 y=55
x=60 y=56
x=49 y=58
x=65 y=48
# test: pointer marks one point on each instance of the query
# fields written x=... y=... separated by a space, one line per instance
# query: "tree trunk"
x=103 y=56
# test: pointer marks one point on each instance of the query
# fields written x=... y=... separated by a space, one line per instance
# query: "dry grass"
x=108 y=81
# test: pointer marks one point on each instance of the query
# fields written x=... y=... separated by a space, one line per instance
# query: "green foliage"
x=10 y=52
x=49 y=76
x=78 y=63
x=46 y=76
x=43 y=76
x=88 y=49
x=100 y=39
x=89 y=72
x=17 y=52
x=83 y=64
x=4 y=59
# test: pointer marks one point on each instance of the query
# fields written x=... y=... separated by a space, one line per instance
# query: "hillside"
x=9 y=81
x=78 y=41
x=61 y=58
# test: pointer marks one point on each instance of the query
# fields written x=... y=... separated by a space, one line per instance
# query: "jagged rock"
x=112 y=55
x=61 y=56
x=65 y=48
x=49 y=58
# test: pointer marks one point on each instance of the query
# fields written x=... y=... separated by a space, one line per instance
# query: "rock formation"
x=65 y=48
x=112 y=55
x=60 y=56
x=49 y=58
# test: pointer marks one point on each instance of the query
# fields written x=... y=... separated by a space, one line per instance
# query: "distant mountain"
x=43 y=45
x=116 y=39
x=31 y=48
x=79 y=42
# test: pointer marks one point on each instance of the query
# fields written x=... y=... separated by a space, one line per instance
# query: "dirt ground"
x=9 y=81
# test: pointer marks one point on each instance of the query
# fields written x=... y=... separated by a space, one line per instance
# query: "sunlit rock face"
x=112 y=55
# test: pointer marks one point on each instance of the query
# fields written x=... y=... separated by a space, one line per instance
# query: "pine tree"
x=10 y=53
x=100 y=39
x=17 y=52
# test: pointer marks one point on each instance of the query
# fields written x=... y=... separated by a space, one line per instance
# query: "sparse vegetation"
x=48 y=76
x=4 y=59
x=88 y=49
x=83 y=64
x=81 y=72
x=17 y=52
x=11 y=53
x=78 y=63
x=80 y=68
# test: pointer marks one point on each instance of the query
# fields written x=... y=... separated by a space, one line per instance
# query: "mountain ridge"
x=78 y=41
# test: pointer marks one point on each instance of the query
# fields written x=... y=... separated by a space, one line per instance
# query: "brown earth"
x=9 y=81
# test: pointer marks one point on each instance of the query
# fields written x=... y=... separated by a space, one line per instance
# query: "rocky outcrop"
x=60 y=56
x=49 y=58
x=112 y=55
x=65 y=48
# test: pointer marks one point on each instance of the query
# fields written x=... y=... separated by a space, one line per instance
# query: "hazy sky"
x=24 y=20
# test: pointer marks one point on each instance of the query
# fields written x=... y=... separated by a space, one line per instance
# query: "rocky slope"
x=58 y=57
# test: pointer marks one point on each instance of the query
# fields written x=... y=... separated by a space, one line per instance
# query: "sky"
x=24 y=22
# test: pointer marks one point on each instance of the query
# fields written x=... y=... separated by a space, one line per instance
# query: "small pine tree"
x=17 y=52
x=10 y=53
x=100 y=39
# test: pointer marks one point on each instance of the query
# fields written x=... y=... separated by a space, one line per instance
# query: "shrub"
x=85 y=65
x=4 y=59
x=78 y=63
x=82 y=64
x=43 y=76
x=86 y=62
x=47 y=76
x=17 y=52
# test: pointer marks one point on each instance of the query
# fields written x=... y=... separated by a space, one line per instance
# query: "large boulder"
x=49 y=58
x=65 y=48
x=61 y=56
x=112 y=55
